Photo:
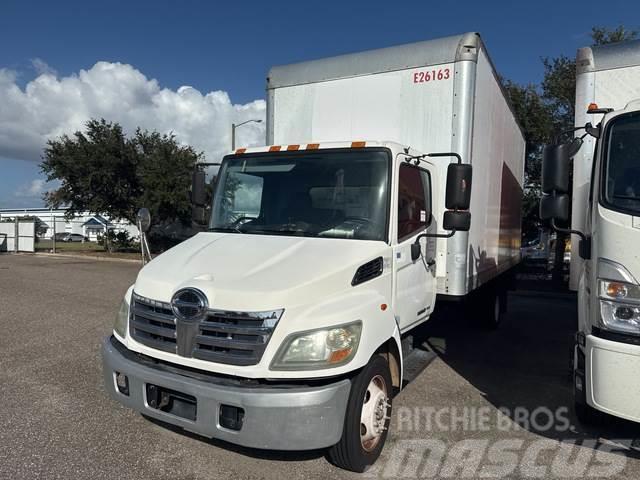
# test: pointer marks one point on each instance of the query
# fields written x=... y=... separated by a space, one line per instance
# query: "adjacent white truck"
x=605 y=223
x=281 y=326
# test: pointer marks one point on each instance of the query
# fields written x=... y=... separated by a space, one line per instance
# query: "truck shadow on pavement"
x=524 y=364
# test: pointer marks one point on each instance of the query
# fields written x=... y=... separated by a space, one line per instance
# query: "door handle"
x=431 y=263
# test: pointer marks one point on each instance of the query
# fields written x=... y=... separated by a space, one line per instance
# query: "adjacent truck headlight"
x=122 y=319
x=619 y=306
x=316 y=349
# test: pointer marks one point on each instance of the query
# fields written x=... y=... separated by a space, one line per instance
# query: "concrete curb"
x=84 y=257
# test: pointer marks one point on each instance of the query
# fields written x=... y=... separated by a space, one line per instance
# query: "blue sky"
x=229 y=46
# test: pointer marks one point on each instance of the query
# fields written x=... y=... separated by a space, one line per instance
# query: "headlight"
x=322 y=348
x=122 y=319
x=619 y=306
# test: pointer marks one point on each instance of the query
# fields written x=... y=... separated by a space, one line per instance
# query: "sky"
x=194 y=67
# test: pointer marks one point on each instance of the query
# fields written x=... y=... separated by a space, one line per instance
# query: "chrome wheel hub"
x=375 y=413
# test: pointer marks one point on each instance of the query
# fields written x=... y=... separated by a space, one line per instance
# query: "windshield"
x=335 y=194
x=622 y=164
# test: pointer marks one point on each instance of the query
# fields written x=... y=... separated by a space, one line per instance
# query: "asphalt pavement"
x=491 y=404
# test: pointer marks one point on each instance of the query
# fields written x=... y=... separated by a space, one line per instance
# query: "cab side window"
x=414 y=201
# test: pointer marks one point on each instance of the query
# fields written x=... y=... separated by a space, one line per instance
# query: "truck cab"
x=605 y=228
x=288 y=312
x=608 y=352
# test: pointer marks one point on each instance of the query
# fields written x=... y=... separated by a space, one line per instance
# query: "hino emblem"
x=189 y=304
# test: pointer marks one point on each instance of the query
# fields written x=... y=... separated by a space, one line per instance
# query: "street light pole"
x=233 y=131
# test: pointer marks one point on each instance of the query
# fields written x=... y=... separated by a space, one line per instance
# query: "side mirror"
x=458 y=221
x=199 y=215
x=144 y=219
x=416 y=250
x=458 y=193
x=555 y=166
x=554 y=206
x=198 y=188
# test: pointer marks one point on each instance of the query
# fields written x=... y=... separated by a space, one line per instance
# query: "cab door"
x=414 y=286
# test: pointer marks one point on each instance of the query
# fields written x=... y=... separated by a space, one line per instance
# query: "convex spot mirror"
x=144 y=219
x=456 y=221
x=554 y=206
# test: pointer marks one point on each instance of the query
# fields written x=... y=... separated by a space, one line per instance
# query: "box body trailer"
x=282 y=326
x=437 y=95
x=605 y=227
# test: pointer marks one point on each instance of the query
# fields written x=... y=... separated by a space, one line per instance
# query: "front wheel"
x=367 y=418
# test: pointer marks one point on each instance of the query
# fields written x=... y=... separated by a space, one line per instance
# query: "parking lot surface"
x=491 y=404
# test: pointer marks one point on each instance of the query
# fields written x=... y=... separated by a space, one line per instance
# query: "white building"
x=54 y=222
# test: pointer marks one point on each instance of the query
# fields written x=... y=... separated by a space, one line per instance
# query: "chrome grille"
x=234 y=338
x=153 y=324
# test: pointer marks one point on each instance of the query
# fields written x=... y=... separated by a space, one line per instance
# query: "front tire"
x=367 y=418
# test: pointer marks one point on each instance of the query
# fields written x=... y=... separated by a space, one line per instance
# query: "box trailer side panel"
x=498 y=152
x=609 y=76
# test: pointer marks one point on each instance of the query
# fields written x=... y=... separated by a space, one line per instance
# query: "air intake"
x=368 y=271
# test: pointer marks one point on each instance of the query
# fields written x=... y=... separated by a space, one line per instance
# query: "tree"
x=104 y=172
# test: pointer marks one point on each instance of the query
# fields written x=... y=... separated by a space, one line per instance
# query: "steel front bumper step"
x=291 y=418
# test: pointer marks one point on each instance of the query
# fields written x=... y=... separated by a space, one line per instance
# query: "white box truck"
x=281 y=326
x=605 y=224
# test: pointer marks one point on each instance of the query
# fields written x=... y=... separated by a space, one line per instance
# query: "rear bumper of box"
x=289 y=418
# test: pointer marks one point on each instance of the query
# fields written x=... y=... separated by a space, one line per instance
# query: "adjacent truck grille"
x=234 y=338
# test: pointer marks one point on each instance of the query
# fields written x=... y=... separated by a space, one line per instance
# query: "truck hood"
x=257 y=272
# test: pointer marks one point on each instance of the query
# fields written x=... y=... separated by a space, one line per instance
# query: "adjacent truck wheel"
x=491 y=305
x=367 y=418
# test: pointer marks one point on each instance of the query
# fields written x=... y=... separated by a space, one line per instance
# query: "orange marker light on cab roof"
x=592 y=106
x=275 y=148
x=358 y=144
x=240 y=150
x=313 y=146
x=293 y=147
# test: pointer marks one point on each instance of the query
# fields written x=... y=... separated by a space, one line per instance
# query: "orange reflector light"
x=240 y=150
x=275 y=148
x=339 y=355
x=313 y=146
x=617 y=290
x=383 y=307
x=592 y=106
x=293 y=147
x=358 y=144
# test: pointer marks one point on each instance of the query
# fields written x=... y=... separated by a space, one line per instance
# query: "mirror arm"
x=446 y=154
x=585 y=242
x=435 y=235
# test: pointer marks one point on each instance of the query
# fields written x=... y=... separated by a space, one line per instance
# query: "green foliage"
x=604 y=36
x=117 y=241
x=104 y=172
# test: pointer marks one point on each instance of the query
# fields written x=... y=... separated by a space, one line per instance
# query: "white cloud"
x=49 y=106
x=35 y=189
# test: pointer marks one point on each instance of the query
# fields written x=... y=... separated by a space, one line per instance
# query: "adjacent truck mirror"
x=198 y=189
x=144 y=219
x=458 y=193
x=555 y=166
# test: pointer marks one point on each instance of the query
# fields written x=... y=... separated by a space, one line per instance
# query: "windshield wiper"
x=225 y=229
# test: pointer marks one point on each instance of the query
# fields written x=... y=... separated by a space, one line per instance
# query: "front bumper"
x=278 y=418
x=612 y=380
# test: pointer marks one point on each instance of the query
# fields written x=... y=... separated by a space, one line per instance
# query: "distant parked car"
x=74 y=237
x=60 y=236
